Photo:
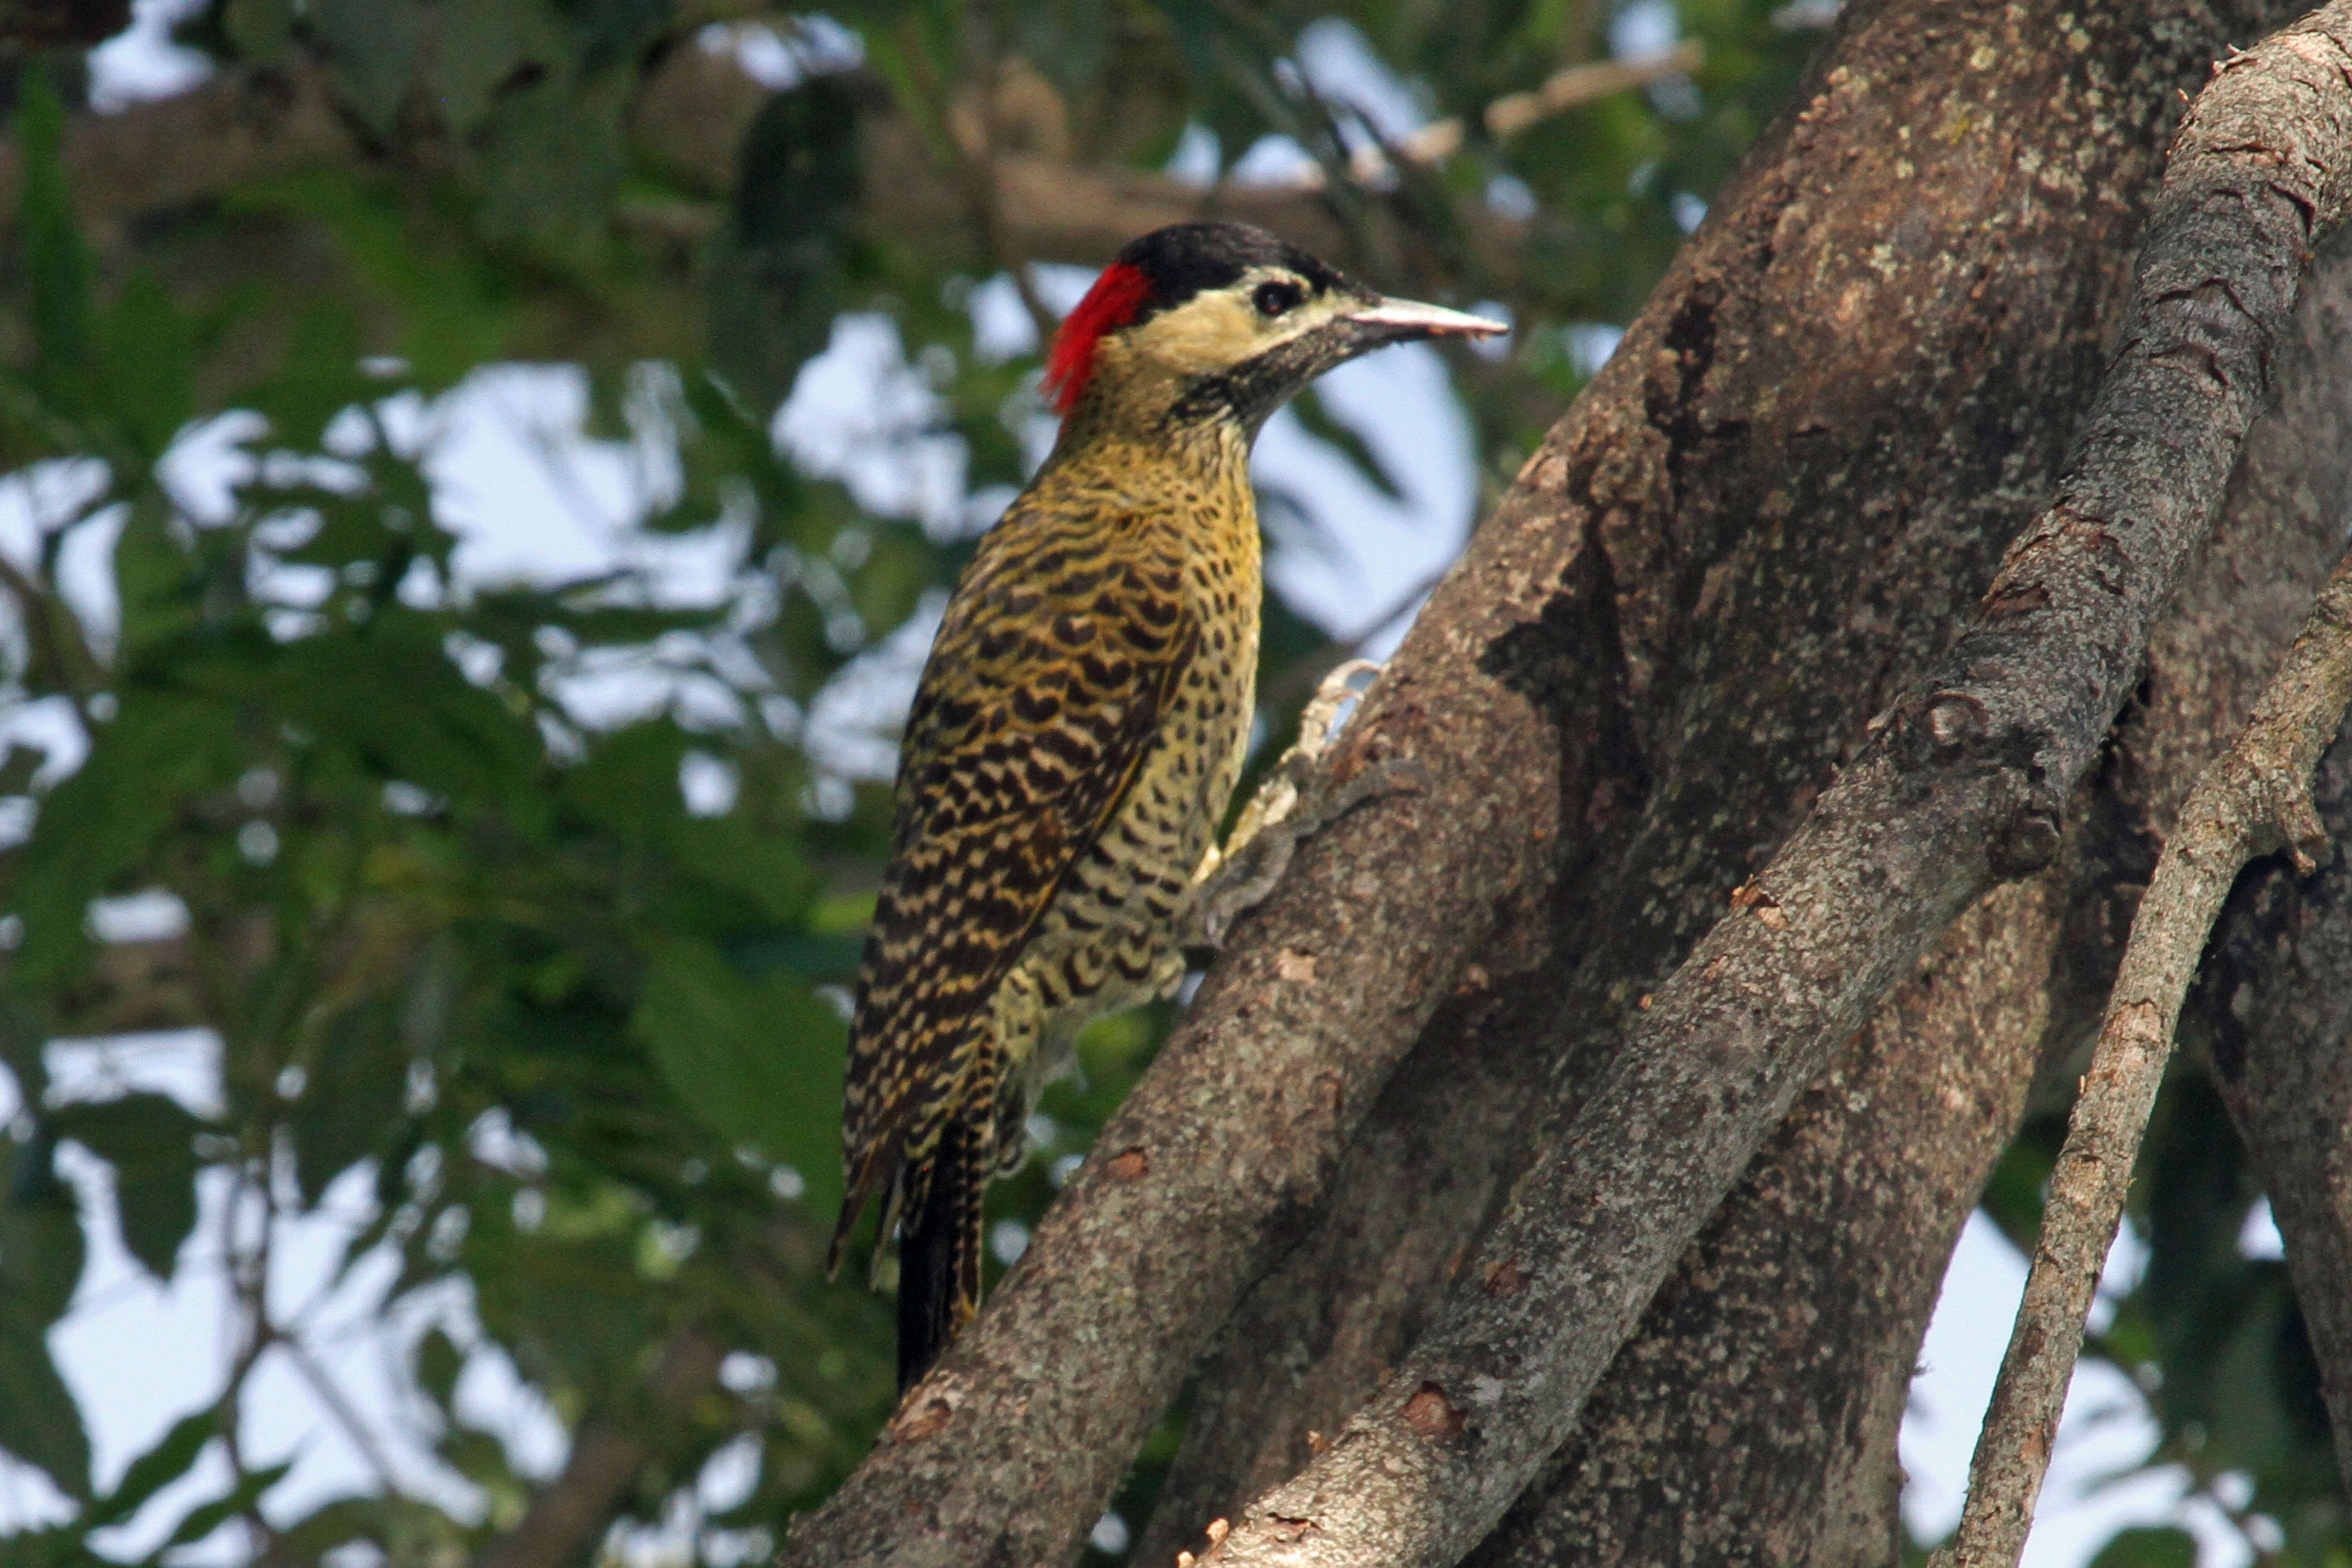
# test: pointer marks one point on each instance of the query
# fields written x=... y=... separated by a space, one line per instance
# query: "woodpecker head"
x=1202 y=322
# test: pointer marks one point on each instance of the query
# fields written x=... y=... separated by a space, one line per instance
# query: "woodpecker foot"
x=1292 y=804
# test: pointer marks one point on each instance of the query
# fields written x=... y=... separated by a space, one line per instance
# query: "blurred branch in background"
x=61 y=24
x=687 y=114
x=1562 y=91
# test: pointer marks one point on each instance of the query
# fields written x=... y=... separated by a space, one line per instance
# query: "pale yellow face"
x=1220 y=328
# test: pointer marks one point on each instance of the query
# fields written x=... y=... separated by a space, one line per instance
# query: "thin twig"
x=2252 y=801
x=555 y=462
x=1513 y=112
x=345 y=1413
x=249 y=1281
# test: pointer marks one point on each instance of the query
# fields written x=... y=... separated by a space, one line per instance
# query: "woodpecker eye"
x=1275 y=297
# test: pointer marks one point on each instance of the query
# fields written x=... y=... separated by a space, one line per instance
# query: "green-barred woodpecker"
x=1078 y=729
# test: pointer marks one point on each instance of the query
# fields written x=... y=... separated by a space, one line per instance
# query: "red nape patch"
x=1116 y=300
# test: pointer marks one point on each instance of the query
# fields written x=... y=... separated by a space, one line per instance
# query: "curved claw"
x=1290 y=806
x=1322 y=710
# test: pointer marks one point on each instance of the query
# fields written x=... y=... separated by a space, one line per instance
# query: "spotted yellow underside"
x=1074 y=741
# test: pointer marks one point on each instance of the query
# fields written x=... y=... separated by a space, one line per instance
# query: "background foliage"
x=547 y=995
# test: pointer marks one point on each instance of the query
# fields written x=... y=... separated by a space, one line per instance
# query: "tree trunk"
x=1836 y=457
x=1757 y=1412
x=2275 y=1003
x=1761 y=520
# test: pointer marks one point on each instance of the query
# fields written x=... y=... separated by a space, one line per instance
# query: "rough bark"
x=1756 y=1414
x=1887 y=480
x=2275 y=1003
x=1046 y=1397
x=1964 y=786
x=2276 y=1009
x=2255 y=798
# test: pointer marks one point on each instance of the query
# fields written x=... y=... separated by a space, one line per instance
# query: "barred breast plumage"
x=1077 y=736
x=1078 y=730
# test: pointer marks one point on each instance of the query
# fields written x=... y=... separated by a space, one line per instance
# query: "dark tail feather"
x=938 y=1256
x=852 y=1204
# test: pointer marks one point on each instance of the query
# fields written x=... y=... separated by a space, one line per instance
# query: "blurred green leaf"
x=260 y=30
x=407 y=1529
x=352 y=1098
x=477 y=1455
x=155 y=577
x=483 y=45
x=39 y=1421
x=768 y=869
x=60 y=1546
x=147 y=347
x=786 y=266
x=172 y=1456
x=553 y=160
x=629 y=785
x=316 y=378
x=438 y=1363
x=96 y=824
x=756 y=1060
x=201 y=1520
x=899 y=566
x=57 y=259
x=18 y=765
x=388 y=691
x=149 y=1139
x=2148 y=1546
x=376 y=47
x=41 y=1253
x=833 y=954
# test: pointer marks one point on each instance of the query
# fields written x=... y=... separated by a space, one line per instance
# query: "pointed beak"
x=1403 y=320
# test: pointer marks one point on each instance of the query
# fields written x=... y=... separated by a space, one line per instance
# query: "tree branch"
x=1963 y=788
x=2276 y=1006
x=2254 y=799
x=691 y=114
x=58 y=648
x=2273 y=1004
x=346 y=1414
x=1516 y=111
x=1791 y=1324
x=2273 y=1008
x=175 y=153
x=690 y=117
x=61 y=24
x=1767 y=1388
